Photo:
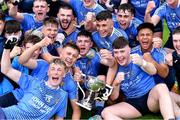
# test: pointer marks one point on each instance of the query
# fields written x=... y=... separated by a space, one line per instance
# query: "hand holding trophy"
x=97 y=90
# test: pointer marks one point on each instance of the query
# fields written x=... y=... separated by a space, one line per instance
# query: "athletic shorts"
x=140 y=103
x=8 y=100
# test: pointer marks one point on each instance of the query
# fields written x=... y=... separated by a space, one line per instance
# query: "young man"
x=12 y=30
x=66 y=18
x=89 y=64
x=90 y=60
x=127 y=22
x=82 y=7
x=69 y=55
x=106 y=33
x=42 y=99
x=173 y=59
x=170 y=11
x=27 y=43
x=134 y=78
x=49 y=29
x=140 y=8
x=30 y=21
x=12 y=97
x=150 y=48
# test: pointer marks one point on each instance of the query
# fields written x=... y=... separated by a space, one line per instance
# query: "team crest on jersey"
x=48 y=98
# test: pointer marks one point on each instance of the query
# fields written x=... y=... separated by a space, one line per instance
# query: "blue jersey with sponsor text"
x=38 y=102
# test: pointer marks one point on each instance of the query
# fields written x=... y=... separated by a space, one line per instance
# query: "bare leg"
x=120 y=111
x=176 y=103
x=76 y=110
x=159 y=98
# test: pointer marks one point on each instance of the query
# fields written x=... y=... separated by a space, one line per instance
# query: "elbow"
x=4 y=70
x=164 y=74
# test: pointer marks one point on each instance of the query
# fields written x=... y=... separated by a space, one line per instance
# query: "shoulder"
x=135 y=49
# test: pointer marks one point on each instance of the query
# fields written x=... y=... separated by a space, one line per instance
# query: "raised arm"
x=47 y=56
x=6 y=67
x=25 y=57
x=116 y=85
x=147 y=18
x=106 y=57
x=13 y=12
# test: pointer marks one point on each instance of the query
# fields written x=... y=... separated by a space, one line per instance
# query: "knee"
x=161 y=89
x=105 y=112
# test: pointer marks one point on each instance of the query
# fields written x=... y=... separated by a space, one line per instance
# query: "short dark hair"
x=177 y=30
x=103 y=15
x=72 y=45
x=84 y=33
x=125 y=7
x=146 y=25
x=12 y=26
x=31 y=39
x=50 y=20
x=120 y=42
x=65 y=5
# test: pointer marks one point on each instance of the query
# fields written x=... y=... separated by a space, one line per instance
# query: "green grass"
x=165 y=32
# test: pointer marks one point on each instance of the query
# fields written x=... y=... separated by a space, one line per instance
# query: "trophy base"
x=85 y=104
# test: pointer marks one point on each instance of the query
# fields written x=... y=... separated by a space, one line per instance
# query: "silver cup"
x=94 y=85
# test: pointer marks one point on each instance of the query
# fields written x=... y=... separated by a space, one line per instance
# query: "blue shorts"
x=140 y=103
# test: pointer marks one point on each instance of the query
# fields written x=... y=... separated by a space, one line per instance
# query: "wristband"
x=144 y=63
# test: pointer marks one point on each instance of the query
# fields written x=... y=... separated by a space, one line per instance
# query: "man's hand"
x=150 y=6
x=90 y=16
x=45 y=42
x=136 y=59
x=169 y=59
x=16 y=2
x=106 y=57
x=147 y=56
x=119 y=78
x=157 y=42
x=10 y=43
x=78 y=74
x=15 y=51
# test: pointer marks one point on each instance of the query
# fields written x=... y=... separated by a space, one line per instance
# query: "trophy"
x=98 y=90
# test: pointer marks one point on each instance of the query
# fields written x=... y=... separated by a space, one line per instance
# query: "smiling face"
x=122 y=55
x=56 y=73
x=104 y=27
x=124 y=18
x=84 y=43
x=40 y=9
x=65 y=17
x=176 y=42
x=145 y=37
x=69 y=55
x=50 y=30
